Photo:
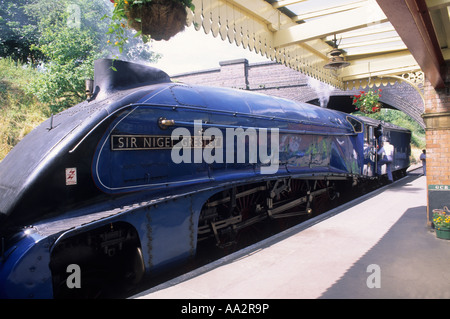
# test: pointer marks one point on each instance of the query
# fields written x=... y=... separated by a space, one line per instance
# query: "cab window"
x=357 y=125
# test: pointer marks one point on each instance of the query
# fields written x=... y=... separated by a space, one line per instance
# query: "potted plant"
x=367 y=102
x=156 y=19
x=441 y=221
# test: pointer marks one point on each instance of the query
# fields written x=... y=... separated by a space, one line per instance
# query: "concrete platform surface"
x=377 y=246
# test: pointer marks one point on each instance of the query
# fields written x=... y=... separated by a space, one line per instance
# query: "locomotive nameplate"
x=160 y=142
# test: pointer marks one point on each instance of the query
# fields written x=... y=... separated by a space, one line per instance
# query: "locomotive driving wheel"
x=250 y=207
x=227 y=214
x=239 y=214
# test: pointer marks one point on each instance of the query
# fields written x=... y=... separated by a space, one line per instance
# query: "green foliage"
x=71 y=38
x=20 y=111
x=70 y=53
x=62 y=38
x=47 y=50
x=441 y=218
x=68 y=49
x=18 y=31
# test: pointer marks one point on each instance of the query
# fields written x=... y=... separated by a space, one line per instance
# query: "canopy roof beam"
x=362 y=32
x=336 y=23
x=411 y=19
x=284 y=3
x=326 y=11
x=390 y=63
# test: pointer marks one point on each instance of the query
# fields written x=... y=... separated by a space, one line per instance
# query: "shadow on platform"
x=412 y=262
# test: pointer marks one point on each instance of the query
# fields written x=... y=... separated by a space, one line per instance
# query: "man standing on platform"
x=423 y=158
x=387 y=156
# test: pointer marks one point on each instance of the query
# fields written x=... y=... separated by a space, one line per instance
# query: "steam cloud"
x=323 y=90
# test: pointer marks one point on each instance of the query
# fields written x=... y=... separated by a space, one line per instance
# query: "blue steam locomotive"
x=128 y=182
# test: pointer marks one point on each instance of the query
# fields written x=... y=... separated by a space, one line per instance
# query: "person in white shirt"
x=386 y=157
x=423 y=158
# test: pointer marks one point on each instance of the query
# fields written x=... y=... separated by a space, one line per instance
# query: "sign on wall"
x=438 y=197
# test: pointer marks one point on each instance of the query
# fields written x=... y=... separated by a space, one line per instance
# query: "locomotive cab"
x=374 y=133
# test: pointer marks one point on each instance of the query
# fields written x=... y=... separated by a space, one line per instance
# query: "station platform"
x=377 y=246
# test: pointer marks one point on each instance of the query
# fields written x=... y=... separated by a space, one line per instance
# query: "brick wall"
x=437 y=120
x=438 y=157
x=232 y=74
x=239 y=74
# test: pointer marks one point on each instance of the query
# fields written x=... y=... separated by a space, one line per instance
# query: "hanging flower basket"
x=155 y=19
x=367 y=102
x=159 y=19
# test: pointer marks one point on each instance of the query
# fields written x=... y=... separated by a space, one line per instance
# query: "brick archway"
x=400 y=96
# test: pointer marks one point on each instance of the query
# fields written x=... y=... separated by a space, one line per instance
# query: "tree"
x=18 y=31
x=71 y=38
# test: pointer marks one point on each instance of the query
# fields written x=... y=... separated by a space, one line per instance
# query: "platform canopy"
x=381 y=39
